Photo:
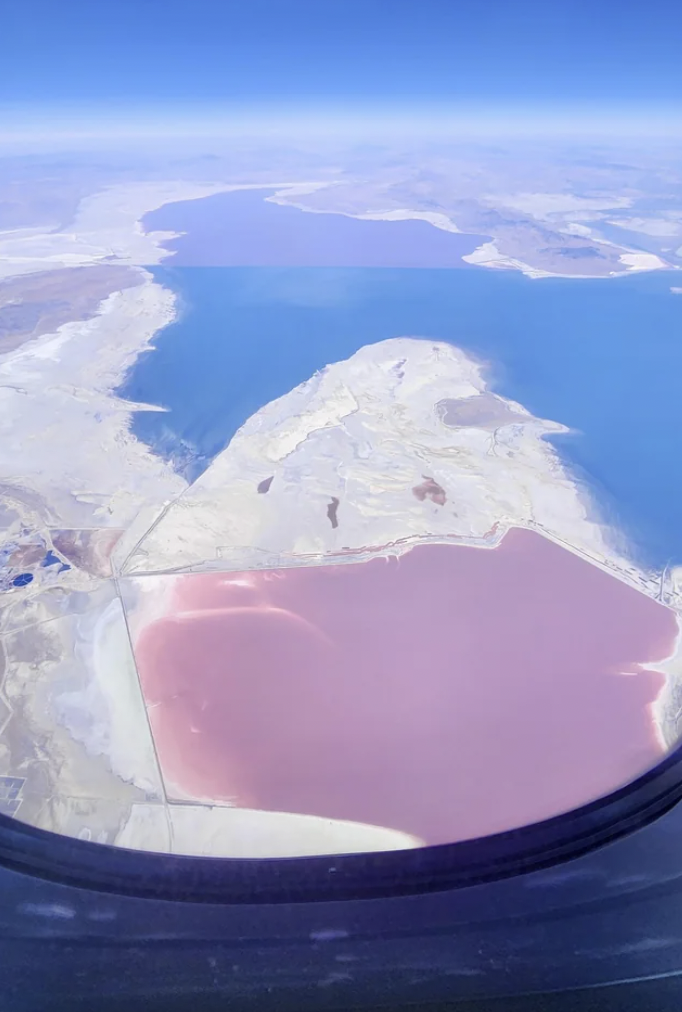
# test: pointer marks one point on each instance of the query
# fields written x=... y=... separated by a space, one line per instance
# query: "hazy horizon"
x=440 y=70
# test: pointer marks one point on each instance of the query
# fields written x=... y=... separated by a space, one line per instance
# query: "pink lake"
x=450 y=693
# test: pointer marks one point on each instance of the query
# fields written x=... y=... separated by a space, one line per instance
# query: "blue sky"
x=128 y=57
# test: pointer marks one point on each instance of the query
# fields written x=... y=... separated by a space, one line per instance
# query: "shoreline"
x=395 y=549
x=73 y=375
x=671 y=669
x=486 y=254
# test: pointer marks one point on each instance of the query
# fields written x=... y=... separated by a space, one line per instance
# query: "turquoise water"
x=603 y=357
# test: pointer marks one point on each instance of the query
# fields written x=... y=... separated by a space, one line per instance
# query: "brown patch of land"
x=89 y=550
x=332 y=511
x=36 y=304
x=482 y=411
x=26 y=555
x=33 y=195
x=431 y=489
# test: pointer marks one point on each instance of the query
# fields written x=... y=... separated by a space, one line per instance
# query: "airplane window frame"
x=146 y=874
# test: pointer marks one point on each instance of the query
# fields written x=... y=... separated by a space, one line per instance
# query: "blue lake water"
x=243 y=228
x=601 y=356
